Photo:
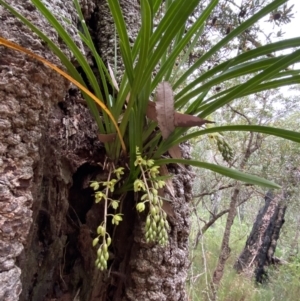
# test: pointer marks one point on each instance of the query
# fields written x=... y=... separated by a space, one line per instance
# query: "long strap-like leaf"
x=228 y=172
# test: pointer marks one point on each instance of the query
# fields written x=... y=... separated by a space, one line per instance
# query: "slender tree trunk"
x=252 y=145
x=261 y=244
x=49 y=153
x=225 y=249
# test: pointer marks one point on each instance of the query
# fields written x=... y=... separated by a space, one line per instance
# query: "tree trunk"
x=49 y=153
x=225 y=249
x=261 y=244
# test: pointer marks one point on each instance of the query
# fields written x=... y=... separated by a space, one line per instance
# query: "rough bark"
x=49 y=153
x=105 y=33
x=261 y=244
x=28 y=92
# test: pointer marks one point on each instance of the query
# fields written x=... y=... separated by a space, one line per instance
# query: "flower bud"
x=101 y=230
x=95 y=241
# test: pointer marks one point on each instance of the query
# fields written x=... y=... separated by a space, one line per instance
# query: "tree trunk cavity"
x=49 y=153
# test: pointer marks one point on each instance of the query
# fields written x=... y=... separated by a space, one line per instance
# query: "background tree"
x=272 y=157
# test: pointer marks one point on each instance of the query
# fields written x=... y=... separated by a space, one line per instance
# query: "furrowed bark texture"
x=261 y=244
x=28 y=91
x=105 y=32
x=49 y=153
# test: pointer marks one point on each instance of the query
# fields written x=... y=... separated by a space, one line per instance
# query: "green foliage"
x=158 y=48
x=161 y=47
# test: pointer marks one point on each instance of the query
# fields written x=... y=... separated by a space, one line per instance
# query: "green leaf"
x=196 y=29
x=104 y=74
x=123 y=35
x=237 y=71
x=282 y=133
x=233 y=64
x=146 y=31
x=256 y=80
x=225 y=171
x=71 y=45
x=274 y=84
x=264 y=11
x=169 y=26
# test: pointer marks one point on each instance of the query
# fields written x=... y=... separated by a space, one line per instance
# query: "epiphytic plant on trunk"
x=129 y=116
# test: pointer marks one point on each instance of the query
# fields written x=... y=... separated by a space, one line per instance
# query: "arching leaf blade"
x=225 y=171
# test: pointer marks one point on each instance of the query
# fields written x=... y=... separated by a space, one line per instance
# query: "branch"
x=212 y=221
x=220 y=188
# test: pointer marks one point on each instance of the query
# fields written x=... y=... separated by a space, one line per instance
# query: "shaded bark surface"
x=261 y=243
x=49 y=153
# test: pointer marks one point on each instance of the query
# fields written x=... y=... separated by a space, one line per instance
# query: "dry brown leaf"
x=180 y=120
x=163 y=171
x=167 y=207
x=165 y=109
x=106 y=138
x=185 y=120
x=162 y=111
x=112 y=75
x=151 y=111
x=175 y=152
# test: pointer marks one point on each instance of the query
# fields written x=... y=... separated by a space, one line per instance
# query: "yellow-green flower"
x=137 y=151
x=154 y=191
x=150 y=162
x=95 y=241
x=138 y=185
x=101 y=230
x=116 y=219
x=115 y=204
x=118 y=172
x=110 y=184
x=140 y=161
x=144 y=197
x=99 y=195
x=95 y=185
x=140 y=207
x=154 y=171
x=161 y=184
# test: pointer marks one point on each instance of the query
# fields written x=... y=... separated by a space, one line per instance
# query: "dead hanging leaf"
x=107 y=138
x=163 y=171
x=175 y=153
x=162 y=111
x=151 y=111
x=167 y=207
x=185 y=120
x=112 y=75
x=180 y=120
x=165 y=109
